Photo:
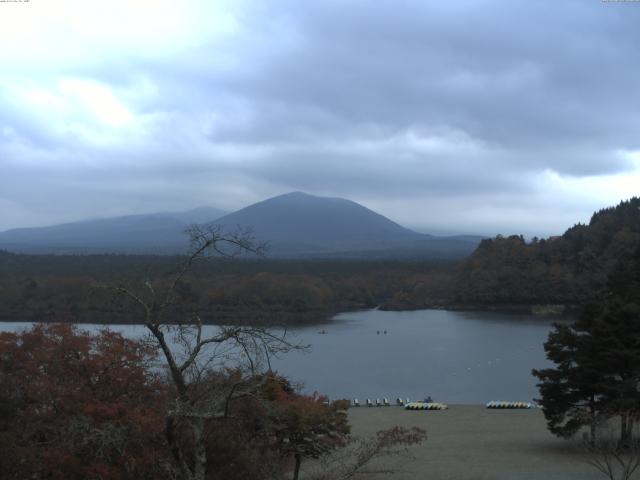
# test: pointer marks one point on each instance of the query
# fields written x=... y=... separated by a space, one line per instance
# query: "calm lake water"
x=455 y=357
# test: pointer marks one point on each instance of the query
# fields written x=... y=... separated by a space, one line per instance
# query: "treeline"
x=563 y=270
x=261 y=291
x=503 y=272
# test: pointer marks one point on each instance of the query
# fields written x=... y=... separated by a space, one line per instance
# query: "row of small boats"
x=425 y=406
x=499 y=404
x=430 y=405
x=378 y=403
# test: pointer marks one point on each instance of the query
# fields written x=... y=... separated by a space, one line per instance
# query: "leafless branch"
x=612 y=457
x=364 y=455
x=196 y=357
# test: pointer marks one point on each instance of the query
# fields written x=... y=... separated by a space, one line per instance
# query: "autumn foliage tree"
x=313 y=428
x=77 y=406
x=307 y=426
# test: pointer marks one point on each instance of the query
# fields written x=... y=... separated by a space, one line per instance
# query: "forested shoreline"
x=263 y=291
x=550 y=276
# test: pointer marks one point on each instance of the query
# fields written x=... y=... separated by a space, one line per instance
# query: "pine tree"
x=597 y=373
x=572 y=391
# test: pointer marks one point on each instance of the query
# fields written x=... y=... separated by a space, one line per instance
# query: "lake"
x=455 y=357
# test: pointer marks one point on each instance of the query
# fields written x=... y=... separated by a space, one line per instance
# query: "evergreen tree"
x=572 y=391
x=597 y=373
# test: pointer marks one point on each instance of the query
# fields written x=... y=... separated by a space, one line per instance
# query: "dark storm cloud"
x=519 y=74
x=471 y=101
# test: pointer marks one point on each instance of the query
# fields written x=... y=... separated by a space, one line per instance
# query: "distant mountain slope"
x=195 y=215
x=295 y=225
x=152 y=233
x=299 y=218
x=299 y=224
x=559 y=270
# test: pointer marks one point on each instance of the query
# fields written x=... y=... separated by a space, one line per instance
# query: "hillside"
x=161 y=232
x=559 y=270
x=298 y=224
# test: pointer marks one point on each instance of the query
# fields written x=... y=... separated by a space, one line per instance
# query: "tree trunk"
x=183 y=469
x=592 y=433
x=593 y=425
x=198 y=470
x=199 y=447
x=625 y=430
x=296 y=470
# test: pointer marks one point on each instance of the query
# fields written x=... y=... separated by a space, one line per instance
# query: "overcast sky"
x=458 y=116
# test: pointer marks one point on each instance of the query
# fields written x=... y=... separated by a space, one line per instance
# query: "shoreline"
x=312 y=318
x=542 y=310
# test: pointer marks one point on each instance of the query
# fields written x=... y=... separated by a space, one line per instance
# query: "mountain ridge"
x=295 y=224
x=109 y=235
x=305 y=225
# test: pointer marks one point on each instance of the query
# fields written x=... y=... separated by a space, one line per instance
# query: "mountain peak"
x=304 y=196
x=296 y=194
x=294 y=224
x=316 y=224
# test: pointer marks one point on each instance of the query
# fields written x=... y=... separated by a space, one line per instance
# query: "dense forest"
x=562 y=270
x=503 y=272
x=259 y=291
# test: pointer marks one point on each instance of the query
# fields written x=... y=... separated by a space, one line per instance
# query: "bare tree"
x=369 y=456
x=607 y=453
x=194 y=353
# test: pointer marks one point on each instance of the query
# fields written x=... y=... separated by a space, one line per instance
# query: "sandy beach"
x=469 y=442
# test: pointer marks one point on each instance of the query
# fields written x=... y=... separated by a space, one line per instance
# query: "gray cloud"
x=471 y=107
